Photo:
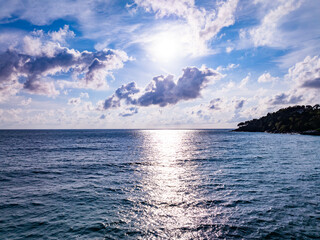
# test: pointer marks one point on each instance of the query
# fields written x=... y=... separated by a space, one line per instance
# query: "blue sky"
x=155 y=63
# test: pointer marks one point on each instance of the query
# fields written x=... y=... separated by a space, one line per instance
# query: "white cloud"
x=229 y=49
x=268 y=32
x=244 y=81
x=266 y=78
x=200 y=26
x=9 y=88
x=304 y=79
x=306 y=74
x=84 y=95
x=290 y=25
x=229 y=67
x=61 y=35
x=26 y=102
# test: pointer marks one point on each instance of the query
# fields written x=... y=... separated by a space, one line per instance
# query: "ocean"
x=158 y=184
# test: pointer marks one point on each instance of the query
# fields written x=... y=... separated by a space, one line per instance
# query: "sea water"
x=158 y=184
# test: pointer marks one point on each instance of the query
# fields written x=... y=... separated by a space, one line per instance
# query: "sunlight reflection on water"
x=169 y=185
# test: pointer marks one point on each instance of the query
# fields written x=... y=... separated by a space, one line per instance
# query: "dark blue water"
x=167 y=184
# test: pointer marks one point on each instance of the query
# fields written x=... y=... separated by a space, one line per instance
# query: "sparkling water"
x=158 y=184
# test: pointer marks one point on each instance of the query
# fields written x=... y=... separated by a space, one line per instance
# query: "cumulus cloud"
x=41 y=87
x=163 y=91
x=306 y=74
x=266 y=77
x=125 y=92
x=285 y=99
x=62 y=34
x=304 y=78
x=40 y=57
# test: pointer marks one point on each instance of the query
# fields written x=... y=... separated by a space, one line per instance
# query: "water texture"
x=158 y=184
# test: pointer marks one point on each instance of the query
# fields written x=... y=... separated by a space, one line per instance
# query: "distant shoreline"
x=304 y=120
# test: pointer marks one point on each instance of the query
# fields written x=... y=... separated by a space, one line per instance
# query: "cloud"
x=268 y=32
x=61 y=35
x=41 y=87
x=129 y=112
x=306 y=74
x=74 y=101
x=45 y=12
x=266 y=77
x=125 y=92
x=284 y=99
x=229 y=49
x=9 y=89
x=84 y=95
x=163 y=91
x=304 y=79
x=215 y=104
x=239 y=104
x=225 y=104
x=227 y=68
x=200 y=25
x=290 y=25
x=26 y=102
x=40 y=57
x=314 y=83
x=10 y=39
x=245 y=81
x=38 y=43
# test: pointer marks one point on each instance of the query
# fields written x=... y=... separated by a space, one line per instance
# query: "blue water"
x=158 y=184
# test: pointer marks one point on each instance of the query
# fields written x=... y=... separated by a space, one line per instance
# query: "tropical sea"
x=158 y=184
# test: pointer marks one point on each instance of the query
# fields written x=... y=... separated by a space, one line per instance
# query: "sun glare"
x=166 y=47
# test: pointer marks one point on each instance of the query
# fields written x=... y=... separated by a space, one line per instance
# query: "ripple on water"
x=136 y=184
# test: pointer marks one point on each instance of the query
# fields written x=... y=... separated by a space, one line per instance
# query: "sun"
x=165 y=47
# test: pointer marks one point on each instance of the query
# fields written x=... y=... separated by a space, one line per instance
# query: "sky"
x=113 y=64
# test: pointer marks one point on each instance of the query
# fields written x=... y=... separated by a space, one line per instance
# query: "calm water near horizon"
x=158 y=184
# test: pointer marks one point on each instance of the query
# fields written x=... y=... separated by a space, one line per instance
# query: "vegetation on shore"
x=296 y=119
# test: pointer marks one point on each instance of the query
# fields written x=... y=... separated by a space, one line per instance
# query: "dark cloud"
x=95 y=66
x=239 y=104
x=130 y=112
x=163 y=91
x=284 y=98
x=215 y=104
x=314 y=83
x=124 y=92
x=74 y=101
x=39 y=56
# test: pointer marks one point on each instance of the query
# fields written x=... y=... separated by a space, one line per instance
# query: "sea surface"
x=158 y=184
